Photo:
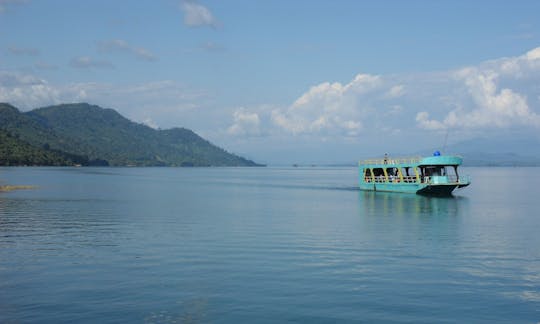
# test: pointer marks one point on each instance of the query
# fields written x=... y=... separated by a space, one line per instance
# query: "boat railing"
x=402 y=160
x=448 y=179
x=409 y=179
x=391 y=179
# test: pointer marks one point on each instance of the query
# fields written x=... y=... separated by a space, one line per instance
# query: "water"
x=220 y=245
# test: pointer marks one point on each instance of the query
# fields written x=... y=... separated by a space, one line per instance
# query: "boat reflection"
x=400 y=204
x=395 y=218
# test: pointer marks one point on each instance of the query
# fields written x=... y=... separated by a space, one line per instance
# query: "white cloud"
x=154 y=103
x=119 y=45
x=150 y=123
x=533 y=55
x=422 y=118
x=12 y=79
x=492 y=95
x=330 y=108
x=375 y=109
x=26 y=90
x=396 y=91
x=244 y=123
x=488 y=104
x=197 y=15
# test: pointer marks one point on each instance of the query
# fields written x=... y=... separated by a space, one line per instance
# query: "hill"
x=14 y=151
x=499 y=151
x=494 y=151
x=103 y=136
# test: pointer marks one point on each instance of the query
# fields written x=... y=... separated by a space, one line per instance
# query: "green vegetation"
x=14 y=151
x=89 y=135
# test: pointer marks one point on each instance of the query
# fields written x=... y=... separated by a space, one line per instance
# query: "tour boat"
x=427 y=175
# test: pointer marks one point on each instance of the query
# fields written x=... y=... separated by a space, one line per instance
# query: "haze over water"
x=229 y=245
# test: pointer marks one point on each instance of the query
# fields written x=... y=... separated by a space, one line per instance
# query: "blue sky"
x=285 y=81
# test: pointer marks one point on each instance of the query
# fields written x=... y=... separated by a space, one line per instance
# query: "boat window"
x=435 y=170
x=405 y=171
x=453 y=176
x=378 y=172
x=379 y=175
x=391 y=171
x=408 y=174
x=367 y=175
x=393 y=175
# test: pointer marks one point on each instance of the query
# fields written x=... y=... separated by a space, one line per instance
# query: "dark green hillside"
x=13 y=151
x=24 y=127
x=99 y=133
x=105 y=135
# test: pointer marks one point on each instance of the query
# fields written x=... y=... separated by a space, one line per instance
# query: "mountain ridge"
x=496 y=151
x=103 y=136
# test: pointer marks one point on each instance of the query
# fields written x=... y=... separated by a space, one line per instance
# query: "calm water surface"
x=229 y=245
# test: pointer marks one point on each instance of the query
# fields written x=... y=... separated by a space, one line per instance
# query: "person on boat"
x=385 y=158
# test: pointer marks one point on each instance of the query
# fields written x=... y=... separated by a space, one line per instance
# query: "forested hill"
x=14 y=152
x=90 y=135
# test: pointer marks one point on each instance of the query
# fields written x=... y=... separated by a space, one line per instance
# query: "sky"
x=286 y=82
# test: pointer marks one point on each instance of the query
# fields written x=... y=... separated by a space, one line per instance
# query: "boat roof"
x=440 y=160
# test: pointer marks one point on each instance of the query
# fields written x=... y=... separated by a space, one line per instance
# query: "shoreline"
x=8 y=188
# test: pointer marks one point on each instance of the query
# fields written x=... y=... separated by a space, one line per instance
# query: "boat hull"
x=437 y=190
x=422 y=189
x=392 y=187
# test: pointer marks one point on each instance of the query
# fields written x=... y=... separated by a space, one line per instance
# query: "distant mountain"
x=104 y=137
x=496 y=151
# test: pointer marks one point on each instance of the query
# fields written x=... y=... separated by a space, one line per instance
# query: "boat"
x=435 y=175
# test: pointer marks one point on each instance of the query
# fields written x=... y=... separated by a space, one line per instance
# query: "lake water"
x=265 y=245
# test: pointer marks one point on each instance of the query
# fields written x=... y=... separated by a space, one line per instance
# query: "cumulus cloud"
x=331 y=108
x=396 y=91
x=197 y=15
x=488 y=104
x=245 y=123
x=498 y=94
x=119 y=45
x=85 y=62
x=495 y=94
x=26 y=90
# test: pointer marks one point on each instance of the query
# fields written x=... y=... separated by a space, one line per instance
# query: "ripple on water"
x=271 y=245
